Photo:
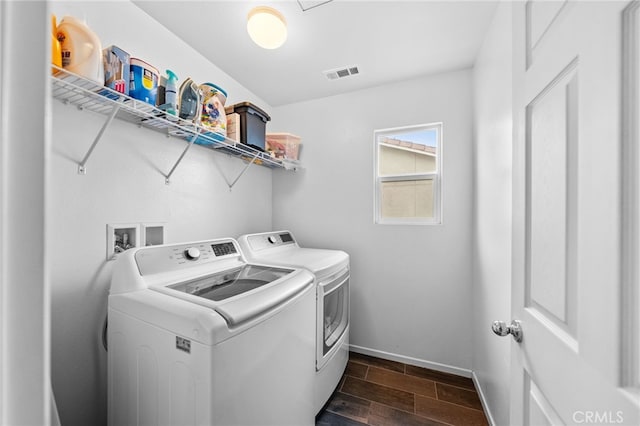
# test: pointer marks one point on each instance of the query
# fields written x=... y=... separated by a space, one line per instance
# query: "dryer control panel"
x=153 y=260
x=259 y=242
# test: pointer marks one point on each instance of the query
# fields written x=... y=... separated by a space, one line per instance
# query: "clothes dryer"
x=332 y=273
x=198 y=336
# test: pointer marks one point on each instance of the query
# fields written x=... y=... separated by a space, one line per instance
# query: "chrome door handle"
x=502 y=329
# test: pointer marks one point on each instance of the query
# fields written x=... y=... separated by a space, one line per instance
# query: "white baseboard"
x=412 y=361
x=483 y=401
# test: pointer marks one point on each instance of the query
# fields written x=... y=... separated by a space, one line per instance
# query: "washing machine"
x=332 y=273
x=199 y=336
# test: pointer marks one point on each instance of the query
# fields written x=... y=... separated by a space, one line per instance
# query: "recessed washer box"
x=151 y=234
x=121 y=237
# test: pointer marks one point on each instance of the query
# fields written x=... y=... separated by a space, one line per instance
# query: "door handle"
x=502 y=329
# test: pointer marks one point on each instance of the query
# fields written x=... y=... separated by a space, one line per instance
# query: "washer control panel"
x=156 y=259
x=224 y=249
x=192 y=253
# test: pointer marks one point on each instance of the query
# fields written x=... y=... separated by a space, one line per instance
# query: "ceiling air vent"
x=306 y=4
x=341 y=72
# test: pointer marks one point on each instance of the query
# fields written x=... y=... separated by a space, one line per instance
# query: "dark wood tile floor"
x=379 y=392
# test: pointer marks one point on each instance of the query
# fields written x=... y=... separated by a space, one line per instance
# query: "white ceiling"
x=387 y=40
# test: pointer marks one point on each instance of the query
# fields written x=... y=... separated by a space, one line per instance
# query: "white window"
x=408 y=175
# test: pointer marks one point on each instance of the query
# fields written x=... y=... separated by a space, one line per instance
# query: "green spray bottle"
x=171 y=94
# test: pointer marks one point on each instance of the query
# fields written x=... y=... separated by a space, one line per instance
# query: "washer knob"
x=272 y=239
x=192 y=253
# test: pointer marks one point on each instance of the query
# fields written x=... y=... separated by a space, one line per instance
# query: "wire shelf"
x=88 y=95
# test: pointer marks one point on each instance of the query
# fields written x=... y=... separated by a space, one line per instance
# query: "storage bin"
x=212 y=115
x=253 y=124
x=143 y=81
x=283 y=145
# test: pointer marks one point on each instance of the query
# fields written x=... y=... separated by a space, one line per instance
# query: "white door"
x=567 y=256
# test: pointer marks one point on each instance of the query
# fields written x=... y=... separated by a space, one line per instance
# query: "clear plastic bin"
x=283 y=145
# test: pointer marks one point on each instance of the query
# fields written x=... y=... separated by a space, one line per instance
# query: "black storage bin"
x=253 y=123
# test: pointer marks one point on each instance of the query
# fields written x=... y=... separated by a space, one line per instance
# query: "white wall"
x=125 y=184
x=492 y=225
x=24 y=147
x=411 y=285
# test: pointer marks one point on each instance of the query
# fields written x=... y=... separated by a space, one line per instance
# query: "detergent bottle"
x=56 y=50
x=81 y=49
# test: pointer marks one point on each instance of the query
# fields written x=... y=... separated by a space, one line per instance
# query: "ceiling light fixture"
x=267 y=27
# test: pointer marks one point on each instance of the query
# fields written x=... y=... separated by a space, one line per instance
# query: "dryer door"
x=333 y=315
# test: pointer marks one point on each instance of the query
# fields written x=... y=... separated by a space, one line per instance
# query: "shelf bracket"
x=82 y=170
x=167 y=178
x=243 y=171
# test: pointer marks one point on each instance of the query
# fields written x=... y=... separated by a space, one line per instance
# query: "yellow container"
x=56 y=50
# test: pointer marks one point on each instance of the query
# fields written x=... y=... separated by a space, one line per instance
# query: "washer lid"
x=230 y=283
x=244 y=293
x=238 y=310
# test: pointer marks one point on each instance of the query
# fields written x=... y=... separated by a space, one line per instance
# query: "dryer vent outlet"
x=339 y=73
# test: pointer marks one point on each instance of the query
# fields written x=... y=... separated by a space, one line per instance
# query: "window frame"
x=436 y=177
